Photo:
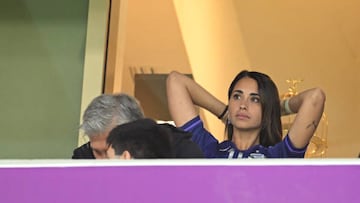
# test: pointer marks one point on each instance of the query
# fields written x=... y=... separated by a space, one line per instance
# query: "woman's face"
x=245 y=106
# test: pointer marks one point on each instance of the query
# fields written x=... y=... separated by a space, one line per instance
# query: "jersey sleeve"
x=285 y=149
x=203 y=138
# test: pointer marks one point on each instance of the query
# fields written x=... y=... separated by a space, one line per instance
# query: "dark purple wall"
x=337 y=183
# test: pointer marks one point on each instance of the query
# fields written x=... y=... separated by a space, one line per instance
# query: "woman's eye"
x=255 y=99
x=236 y=96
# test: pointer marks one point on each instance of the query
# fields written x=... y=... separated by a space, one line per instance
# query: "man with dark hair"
x=140 y=139
x=109 y=110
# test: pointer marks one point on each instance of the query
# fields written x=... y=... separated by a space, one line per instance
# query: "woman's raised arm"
x=184 y=94
x=309 y=106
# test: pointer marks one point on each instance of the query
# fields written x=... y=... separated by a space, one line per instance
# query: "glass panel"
x=41 y=76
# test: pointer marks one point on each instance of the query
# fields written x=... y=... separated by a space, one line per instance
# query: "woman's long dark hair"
x=271 y=130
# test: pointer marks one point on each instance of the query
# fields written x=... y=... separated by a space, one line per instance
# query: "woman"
x=252 y=116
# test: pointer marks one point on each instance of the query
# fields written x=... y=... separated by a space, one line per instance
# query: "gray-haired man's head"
x=104 y=113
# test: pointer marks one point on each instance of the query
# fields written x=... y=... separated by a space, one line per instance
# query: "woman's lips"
x=242 y=116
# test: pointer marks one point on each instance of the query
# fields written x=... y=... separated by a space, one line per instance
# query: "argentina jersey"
x=228 y=150
x=213 y=149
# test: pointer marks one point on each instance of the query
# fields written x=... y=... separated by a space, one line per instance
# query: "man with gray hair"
x=110 y=110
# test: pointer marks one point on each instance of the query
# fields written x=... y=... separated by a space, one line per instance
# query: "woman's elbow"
x=174 y=82
x=318 y=96
x=172 y=77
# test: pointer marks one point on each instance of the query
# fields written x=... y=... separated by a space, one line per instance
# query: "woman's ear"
x=125 y=155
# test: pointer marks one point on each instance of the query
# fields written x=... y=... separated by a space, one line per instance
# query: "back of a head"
x=109 y=110
x=143 y=138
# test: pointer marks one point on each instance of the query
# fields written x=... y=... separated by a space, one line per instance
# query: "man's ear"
x=126 y=155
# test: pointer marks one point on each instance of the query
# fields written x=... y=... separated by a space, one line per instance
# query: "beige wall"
x=153 y=40
x=214 y=44
x=315 y=41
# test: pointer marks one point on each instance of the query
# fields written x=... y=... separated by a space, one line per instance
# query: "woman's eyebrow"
x=251 y=94
x=239 y=91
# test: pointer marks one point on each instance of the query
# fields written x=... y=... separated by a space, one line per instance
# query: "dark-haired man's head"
x=140 y=139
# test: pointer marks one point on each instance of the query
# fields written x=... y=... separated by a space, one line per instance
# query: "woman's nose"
x=243 y=104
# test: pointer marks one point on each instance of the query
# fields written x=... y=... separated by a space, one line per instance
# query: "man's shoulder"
x=184 y=146
x=83 y=152
x=176 y=133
